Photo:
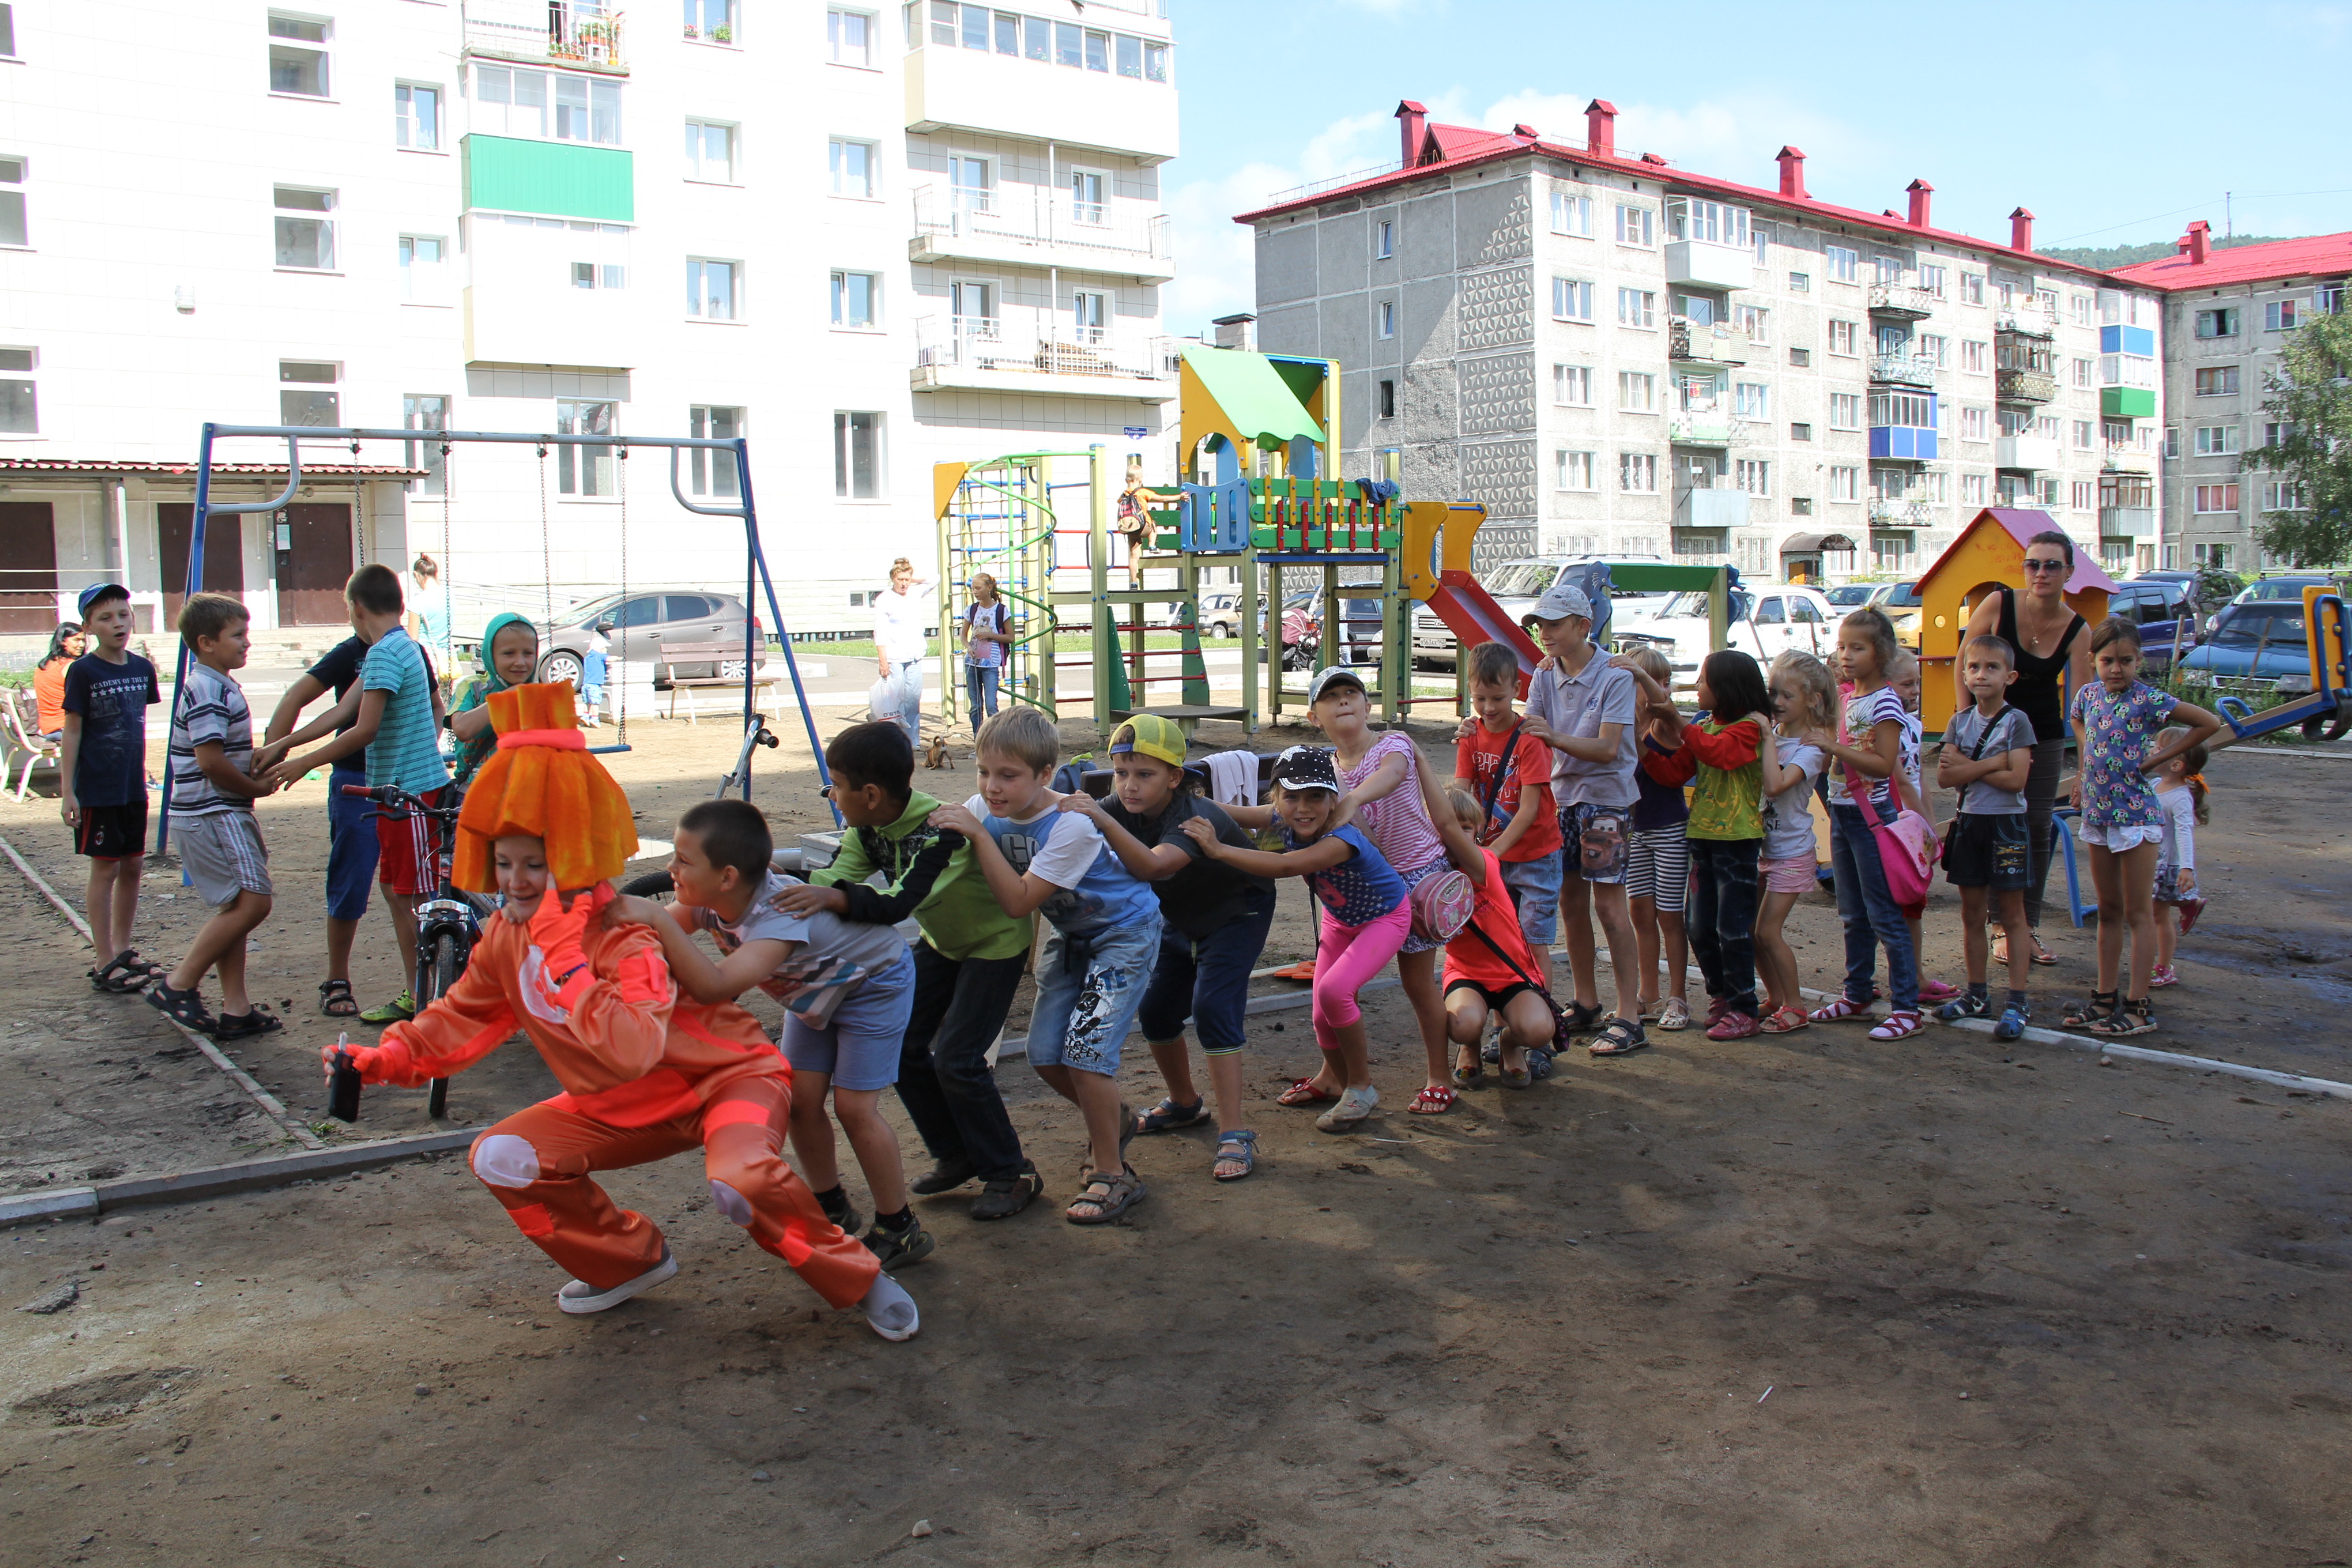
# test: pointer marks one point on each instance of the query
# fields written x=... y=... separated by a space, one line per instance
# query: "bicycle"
x=657 y=884
x=448 y=923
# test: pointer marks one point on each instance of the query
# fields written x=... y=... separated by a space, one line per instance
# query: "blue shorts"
x=351 y=846
x=1085 y=1008
x=1596 y=842
x=859 y=1048
x=1206 y=981
x=1534 y=887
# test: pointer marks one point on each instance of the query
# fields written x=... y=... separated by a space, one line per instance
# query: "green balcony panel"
x=2127 y=402
x=560 y=179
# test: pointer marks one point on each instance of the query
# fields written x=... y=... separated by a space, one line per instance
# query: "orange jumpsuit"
x=646 y=1074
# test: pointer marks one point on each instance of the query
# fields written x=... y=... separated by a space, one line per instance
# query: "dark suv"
x=643 y=623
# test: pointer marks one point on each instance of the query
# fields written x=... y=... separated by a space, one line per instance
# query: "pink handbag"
x=1906 y=841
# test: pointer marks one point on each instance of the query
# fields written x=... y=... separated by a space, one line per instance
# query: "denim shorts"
x=1534 y=887
x=1596 y=841
x=1088 y=989
x=859 y=1048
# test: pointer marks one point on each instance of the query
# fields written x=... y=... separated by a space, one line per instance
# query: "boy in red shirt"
x=1518 y=822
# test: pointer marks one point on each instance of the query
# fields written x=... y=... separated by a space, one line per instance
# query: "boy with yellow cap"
x=646 y=1072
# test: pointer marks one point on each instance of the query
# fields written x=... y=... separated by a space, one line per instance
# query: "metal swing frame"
x=755 y=565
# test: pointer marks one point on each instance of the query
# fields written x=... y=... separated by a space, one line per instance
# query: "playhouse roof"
x=2023 y=524
x=1258 y=403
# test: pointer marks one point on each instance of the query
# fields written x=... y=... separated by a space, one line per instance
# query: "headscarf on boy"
x=542 y=782
x=473 y=753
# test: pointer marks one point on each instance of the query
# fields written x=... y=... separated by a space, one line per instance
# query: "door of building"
x=313 y=545
x=28 y=567
x=176 y=524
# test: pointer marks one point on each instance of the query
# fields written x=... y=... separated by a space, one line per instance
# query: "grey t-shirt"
x=836 y=955
x=2012 y=731
x=1578 y=705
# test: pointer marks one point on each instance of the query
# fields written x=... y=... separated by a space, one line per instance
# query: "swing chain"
x=620 y=706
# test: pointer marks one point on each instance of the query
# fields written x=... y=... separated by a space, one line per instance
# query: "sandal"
x=1235 y=1149
x=1673 y=1015
x=1474 y=1074
x=1167 y=1116
x=1900 y=1024
x=1618 y=1039
x=1354 y=1106
x=2130 y=1017
x=124 y=974
x=1578 y=1018
x=1304 y=1092
x=1839 y=1009
x=1118 y=1193
x=1003 y=1199
x=336 y=1001
x=1434 y=1099
x=2085 y=1014
x=1936 y=992
x=1784 y=1021
x=1518 y=1076
x=2043 y=956
x=259 y=1020
x=185 y=1008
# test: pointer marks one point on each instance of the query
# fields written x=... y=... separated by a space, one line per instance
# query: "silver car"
x=642 y=622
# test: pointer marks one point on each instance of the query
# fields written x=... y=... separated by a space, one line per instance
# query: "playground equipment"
x=1989 y=554
x=2328 y=707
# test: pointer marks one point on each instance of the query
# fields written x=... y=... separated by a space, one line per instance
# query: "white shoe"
x=890 y=1308
x=579 y=1296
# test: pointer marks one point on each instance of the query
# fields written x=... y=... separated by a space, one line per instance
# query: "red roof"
x=2320 y=254
x=1463 y=147
x=148 y=465
x=2022 y=523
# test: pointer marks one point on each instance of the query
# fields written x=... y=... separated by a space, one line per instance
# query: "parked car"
x=642 y=624
x=1765 y=618
x=1851 y=597
x=2287 y=585
x=1221 y=614
x=2163 y=612
x=1515 y=586
x=1902 y=604
x=2254 y=646
x=1360 y=625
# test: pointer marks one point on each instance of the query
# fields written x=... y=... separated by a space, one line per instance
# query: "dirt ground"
x=1805 y=1301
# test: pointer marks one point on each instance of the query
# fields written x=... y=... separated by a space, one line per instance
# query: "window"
x=510 y=101
x=12 y=202
x=307 y=392
x=1090 y=315
x=710 y=152
x=1571 y=299
x=1845 y=411
x=2082 y=303
x=584 y=275
x=1841 y=337
x=2220 y=381
x=420 y=266
x=2217 y=440
x=1756 y=320
x=1753 y=475
x=849 y=36
x=857 y=456
x=1129 y=56
x=2217 y=497
x=2118 y=432
x=306 y=234
x=2172 y=444
x=1387 y=400
x=1973 y=288
x=1155 y=61
x=1842 y=265
x=852 y=164
x=1912 y=410
x=714 y=20
x=714 y=473
x=19 y=409
x=1086 y=195
x=1069 y=44
x=1931 y=278
x=1752 y=400
x=2213 y=555
x=425 y=411
x=1384 y=317
x=583 y=469
x=1636 y=308
x=1889 y=270
x=2276 y=431
x=1975 y=489
x=1845 y=483
x=587 y=110
x=2047 y=300
x=2283 y=495
x=1573 y=471
x=1635 y=226
x=1636 y=392
x=857 y=299
x=1973 y=357
x=7 y=31
x=1384 y=246
x=2282 y=316
x=972 y=184
x=1800 y=282
x=2082 y=435
x=2082 y=373
x=417 y=117
x=297 y=55
x=1801 y=432
x=1800 y=358
x=1098 y=51
x=2085 y=496
x=1713 y=222
x=710 y=290
x=1637 y=473
x=1801 y=506
x=1572 y=384
x=974 y=307
x=1572 y=214
x=2217 y=323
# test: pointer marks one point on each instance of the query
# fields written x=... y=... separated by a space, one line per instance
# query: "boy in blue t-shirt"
x=1098 y=960
x=102 y=777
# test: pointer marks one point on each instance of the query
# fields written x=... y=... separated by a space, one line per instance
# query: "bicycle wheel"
x=441 y=972
x=651 y=885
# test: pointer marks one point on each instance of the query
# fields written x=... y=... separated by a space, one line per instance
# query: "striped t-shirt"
x=211 y=707
x=406 y=749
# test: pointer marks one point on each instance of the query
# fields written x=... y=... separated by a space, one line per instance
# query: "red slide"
x=1471 y=614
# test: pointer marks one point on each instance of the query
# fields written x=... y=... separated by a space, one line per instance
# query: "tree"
x=2310 y=404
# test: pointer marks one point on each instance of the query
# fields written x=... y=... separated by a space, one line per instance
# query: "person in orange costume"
x=647 y=1073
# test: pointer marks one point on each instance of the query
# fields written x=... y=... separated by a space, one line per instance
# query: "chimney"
x=1234 y=332
x=1601 y=128
x=2020 y=230
x=1920 y=192
x=1526 y=132
x=2201 y=240
x=1412 y=126
x=1792 y=173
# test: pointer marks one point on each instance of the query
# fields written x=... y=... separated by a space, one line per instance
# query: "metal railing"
x=2129 y=459
x=1887 y=511
x=1903 y=370
x=1331 y=183
x=568 y=32
x=2024 y=385
x=2033 y=320
x=1901 y=300
x=1036 y=215
x=1718 y=342
x=1701 y=431
x=1038 y=342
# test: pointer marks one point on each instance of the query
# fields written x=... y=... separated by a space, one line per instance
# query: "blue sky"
x=2113 y=124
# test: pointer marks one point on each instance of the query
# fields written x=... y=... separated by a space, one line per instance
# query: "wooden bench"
x=710 y=653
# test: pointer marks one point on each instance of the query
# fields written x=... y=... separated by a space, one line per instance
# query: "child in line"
x=1098 y=960
x=102 y=780
x=351 y=846
x=1657 y=865
x=1510 y=771
x=594 y=662
x=2180 y=791
x=647 y=1071
x=1863 y=756
x=1903 y=676
x=213 y=792
x=509 y=659
x=1367 y=915
x=1490 y=972
x=2116 y=720
x=987 y=633
x=1214 y=922
x=1987 y=755
x=846 y=988
x=1587 y=709
x=968 y=964
x=1726 y=828
x=1804 y=699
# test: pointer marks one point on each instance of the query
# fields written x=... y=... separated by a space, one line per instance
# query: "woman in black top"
x=2053 y=655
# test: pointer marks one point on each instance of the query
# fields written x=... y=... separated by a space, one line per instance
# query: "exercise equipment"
x=2327 y=709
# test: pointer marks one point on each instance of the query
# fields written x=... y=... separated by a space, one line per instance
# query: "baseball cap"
x=1560 y=601
x=1325 y=678
x=93 y=591
x=1152 y=736
x=1305 y=767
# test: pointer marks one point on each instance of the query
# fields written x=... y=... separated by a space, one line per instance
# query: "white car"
x=1765 y=618
x=1516 y=586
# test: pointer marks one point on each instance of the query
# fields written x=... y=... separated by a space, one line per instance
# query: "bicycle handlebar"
x=398 y=799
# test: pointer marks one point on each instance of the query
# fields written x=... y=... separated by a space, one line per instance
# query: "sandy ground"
x=2011 y=1306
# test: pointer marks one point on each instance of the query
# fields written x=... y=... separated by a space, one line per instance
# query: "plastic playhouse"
x=1989 y=554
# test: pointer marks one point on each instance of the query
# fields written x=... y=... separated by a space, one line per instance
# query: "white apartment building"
x=2229 y=315
x=865 y=237
x=1622 y=357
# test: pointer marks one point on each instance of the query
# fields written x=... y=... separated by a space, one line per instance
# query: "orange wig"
x=542 y=784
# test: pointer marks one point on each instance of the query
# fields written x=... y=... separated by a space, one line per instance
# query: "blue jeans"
x=351 y=846
x=980 y=691
x=1869 y=912
x=1722 y=923
x=1089 y=988
x=1207 y=981
x=911 y=713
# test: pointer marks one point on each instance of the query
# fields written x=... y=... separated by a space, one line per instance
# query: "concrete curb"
x=57 y=1202
x=218 y=1181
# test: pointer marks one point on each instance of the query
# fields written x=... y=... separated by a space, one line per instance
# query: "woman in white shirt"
x=899 y=626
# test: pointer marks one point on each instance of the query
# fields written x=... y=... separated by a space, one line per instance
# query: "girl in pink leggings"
x=1366 y=917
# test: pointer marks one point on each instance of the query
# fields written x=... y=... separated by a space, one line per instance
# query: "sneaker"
x=1935 y=991
x=2163 y=975
x=895 y=1249
x=889 y=1311
x=2189 y=909
x=944 y=1177
x=1354 y=1106
x=1733 y=1026
x=399 y=1010
x=1716 y=1006
x=580 y=1297
x=1675 y=1015
x=2012 y=1024
x=1968 y=1006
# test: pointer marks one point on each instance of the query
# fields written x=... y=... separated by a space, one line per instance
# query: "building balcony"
x=1903 y=443
x=1720 y=507
x=1006 y=95
x=2127 y=402
x=1700 y=430
x=585 y=34
x=1703 y=264
x=2125 y=458
x=2127 y=522
x=1038 y=354
x=1893 y=511
x=2026 y=318
x=1688 y=342
x=1901 y=302
x=1031 y=225
x=2025 y=454
x=2023 y=386
x=1903 y=370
